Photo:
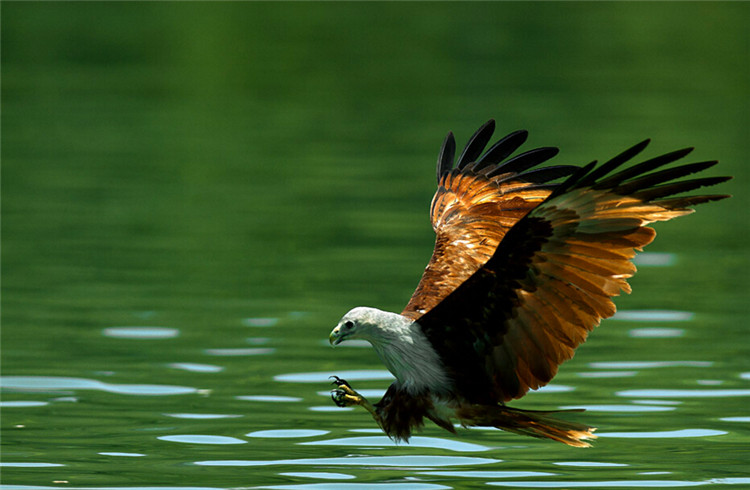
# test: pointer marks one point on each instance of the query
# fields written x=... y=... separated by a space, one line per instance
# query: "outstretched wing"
x=508 y=327
x=476 y=203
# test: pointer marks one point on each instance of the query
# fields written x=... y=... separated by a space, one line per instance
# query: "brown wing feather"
x=474 y=207
x=507 y=327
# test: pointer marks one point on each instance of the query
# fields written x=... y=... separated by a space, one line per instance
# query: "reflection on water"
x=124 y=455
x=268 y=398
x=415 y=441
x=28 y=464
x=22 y=404
x=36 y=487
x=202 y=416
x=291 y=433
x=260 y=322
x=407 y=461
x=653 y=316
x=141 y=332
x=656 y=333
x=486 y=475
x=53 y=383
x=320 y=475
x=618 y=408
x=623 y=483
x=201 y=439
x=683 y=393
x=664 y=434
x=351 y=375
x=608 y=374
x=363 y=486
x=589 y=464
x=655 y=259
x=249 y=351
x=196 y=368
x=648 y=364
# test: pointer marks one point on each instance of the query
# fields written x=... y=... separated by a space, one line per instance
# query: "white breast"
x=408 y=354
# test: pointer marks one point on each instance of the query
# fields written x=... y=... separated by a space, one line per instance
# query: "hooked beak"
x=335 y=338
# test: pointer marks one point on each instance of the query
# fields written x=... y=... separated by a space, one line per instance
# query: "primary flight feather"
x=525 y=264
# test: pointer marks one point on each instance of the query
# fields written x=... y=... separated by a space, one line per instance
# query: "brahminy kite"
x=525 y=264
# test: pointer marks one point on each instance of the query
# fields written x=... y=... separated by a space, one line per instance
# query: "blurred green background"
x=194 y=164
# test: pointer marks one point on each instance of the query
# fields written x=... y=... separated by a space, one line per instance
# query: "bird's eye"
x=349 y=324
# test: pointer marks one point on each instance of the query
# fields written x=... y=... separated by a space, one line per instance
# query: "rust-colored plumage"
x=525 y=265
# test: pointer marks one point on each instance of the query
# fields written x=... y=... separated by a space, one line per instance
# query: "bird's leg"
x=344 y=396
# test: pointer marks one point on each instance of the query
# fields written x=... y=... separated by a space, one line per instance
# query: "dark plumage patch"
x=401 y=412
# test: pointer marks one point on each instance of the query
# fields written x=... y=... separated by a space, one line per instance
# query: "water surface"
x=193 y=194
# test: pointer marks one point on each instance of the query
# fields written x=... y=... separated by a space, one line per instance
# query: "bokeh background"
x=241 y=174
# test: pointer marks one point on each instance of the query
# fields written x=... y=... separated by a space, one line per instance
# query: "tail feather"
x=535 y=423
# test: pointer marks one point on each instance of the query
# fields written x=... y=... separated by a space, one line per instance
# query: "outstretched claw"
x=340 y=382
x=345 y=396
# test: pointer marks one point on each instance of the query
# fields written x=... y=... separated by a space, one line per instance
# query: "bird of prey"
x=525 y=264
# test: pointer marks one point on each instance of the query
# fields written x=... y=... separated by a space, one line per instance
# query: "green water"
x=231 y=178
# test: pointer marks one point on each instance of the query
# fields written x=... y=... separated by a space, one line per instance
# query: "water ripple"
x=396 y=461
x=622 y=483
x=416 y=441
x=320 y=475
x=202 y=416
x=588 y=464
x=488 y=474
x=653 y=315
x=284 y=433
x=46 y=383
x=322 y=377
x=141 y=332
x=38 y=487
x=654 y=259
x=268 y=398
x=248 y=351
x=260 y=322
x=735 y=419
x=22 y=404
x=682 y=393
x=28 y=464
x=648 y=364
x=656 y=333
x=608 y=374
x=364 y=486
x=196 y=368
x=665 y=434
x=618 y=408
x=127 y=455
x=201 y=439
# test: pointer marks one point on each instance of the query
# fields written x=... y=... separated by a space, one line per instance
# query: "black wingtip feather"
x=656 y=178
x=641 y=168
x=573 y=180
x=546 y=174
x=689 y=201
x=476 y=144
x=445 y=157
x=673 y=188
x=615 y=162
x=525 y=160
x=502 y=149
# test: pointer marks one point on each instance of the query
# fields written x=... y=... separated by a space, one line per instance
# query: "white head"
x=368 y=324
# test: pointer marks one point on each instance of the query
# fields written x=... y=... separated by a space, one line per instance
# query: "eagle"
x=526 y=262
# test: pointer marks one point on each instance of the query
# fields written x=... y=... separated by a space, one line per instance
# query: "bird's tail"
x=535 y=423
